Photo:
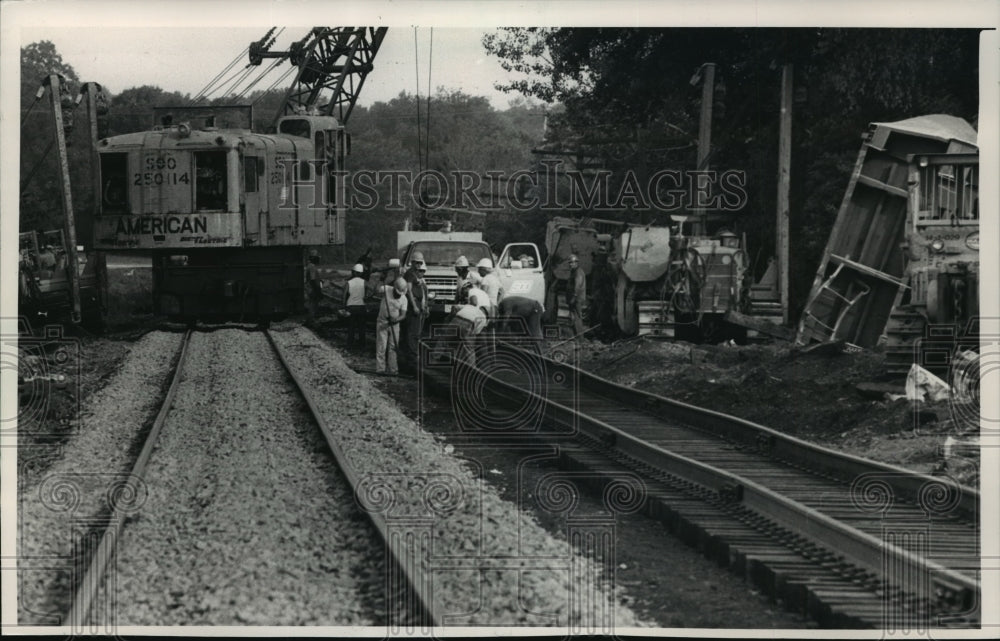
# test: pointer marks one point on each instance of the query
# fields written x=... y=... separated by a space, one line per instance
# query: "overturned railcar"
x=903 y=256
x=224 y=212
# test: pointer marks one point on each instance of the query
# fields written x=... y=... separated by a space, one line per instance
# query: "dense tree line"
x=614 y=82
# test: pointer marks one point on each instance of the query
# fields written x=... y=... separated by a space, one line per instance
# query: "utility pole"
x=784 y=183
x=94 y=94
x=707 y=76
x=56 y=91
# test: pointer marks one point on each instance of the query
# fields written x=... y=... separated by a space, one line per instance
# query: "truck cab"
x=519 y=266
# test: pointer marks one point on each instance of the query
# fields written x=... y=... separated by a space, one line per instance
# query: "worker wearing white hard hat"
x=466 y=278
x=354 y=303
x=391 y=312
x=490 y=284
x=417 y=311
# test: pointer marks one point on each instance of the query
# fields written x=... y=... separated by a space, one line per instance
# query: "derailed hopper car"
x=903 y=253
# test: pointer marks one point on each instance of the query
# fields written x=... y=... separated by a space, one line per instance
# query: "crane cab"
x=224 y=212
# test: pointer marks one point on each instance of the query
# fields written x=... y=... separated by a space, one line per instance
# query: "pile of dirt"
x=812 y=395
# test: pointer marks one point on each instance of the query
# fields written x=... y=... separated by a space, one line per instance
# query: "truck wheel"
x=625 y=307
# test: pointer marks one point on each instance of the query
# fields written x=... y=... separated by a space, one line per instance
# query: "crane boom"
x=337 y=59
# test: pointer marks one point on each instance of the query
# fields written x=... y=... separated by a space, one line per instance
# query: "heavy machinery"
x=50 y=288
x=675 y=285
x=44 y=277
x=227 y=213
x=651 y=280
x=903 y=255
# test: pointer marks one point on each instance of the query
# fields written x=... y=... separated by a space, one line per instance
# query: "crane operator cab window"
x=295 y=127
x=114 y=183
x=210 y=183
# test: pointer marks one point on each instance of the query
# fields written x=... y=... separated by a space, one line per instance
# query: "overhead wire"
x=38 y=164
x=430 y=60
x=416 y=68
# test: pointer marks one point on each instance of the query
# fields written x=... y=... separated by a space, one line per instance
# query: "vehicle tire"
x=626 y=313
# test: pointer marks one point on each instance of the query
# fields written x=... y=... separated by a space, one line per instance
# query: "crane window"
x=114 y=183
x=210 y=185
x=295 y=127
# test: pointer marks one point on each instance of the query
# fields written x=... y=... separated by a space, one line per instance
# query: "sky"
x=187 y=59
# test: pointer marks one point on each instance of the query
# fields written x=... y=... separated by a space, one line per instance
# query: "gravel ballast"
x=72 y=496
x=510 y=571
x=248 y=520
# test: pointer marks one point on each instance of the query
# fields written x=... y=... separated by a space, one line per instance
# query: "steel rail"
x=83 y=599
x=860 y=548
x=823 y=460
x=407 y=562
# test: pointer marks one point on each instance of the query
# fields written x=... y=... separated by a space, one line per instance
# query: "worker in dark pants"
x=576 y=295
x=413 y=325
x=315 y=286
x=354 y=301
x=520 y=316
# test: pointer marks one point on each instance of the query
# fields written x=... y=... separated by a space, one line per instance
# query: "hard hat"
x=485 y=262
x=313 y=253
x=400 y=285
x=462 y=262
x=573 y=258
x=417 y=257
x=725 y=233
x=358 y=268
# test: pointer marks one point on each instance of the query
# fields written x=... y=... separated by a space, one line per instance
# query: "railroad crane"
x=227 y=213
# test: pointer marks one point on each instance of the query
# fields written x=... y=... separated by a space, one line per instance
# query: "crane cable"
x=27 y=113
x=260 y=77
x=38 y=164
x=427 y=137
x=203 y=93
x=236 y=79
x=416 y=68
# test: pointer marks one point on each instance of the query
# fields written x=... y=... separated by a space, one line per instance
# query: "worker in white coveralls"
x=490 y=284
x=354 y=301
x=391 y=313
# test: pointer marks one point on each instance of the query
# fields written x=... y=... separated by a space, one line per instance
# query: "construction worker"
x=417 y=311
x=466 y=278
x=576 y=294
x=391 y=313
x=490 y=284
x=354 y=301
x=315 y=285
x=468 y=322
x=519 y=314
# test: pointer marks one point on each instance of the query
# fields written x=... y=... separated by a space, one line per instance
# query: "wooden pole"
x=704 y=135
x=72 y=270
x=87 y=230
x=784 y=183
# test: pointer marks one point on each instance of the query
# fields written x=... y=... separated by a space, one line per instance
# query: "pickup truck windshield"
x=444 y=254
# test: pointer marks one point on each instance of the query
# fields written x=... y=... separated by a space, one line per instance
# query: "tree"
x=41 y=202
x=623 y=80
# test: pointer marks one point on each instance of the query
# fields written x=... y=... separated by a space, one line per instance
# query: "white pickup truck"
x=519 y=265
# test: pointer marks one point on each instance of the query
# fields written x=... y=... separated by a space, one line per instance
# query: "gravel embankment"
x=54 y=506
x=412 y=477
x=248 y=520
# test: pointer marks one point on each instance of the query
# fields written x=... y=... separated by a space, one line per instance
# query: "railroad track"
x=408 y=600
x=852 y=542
